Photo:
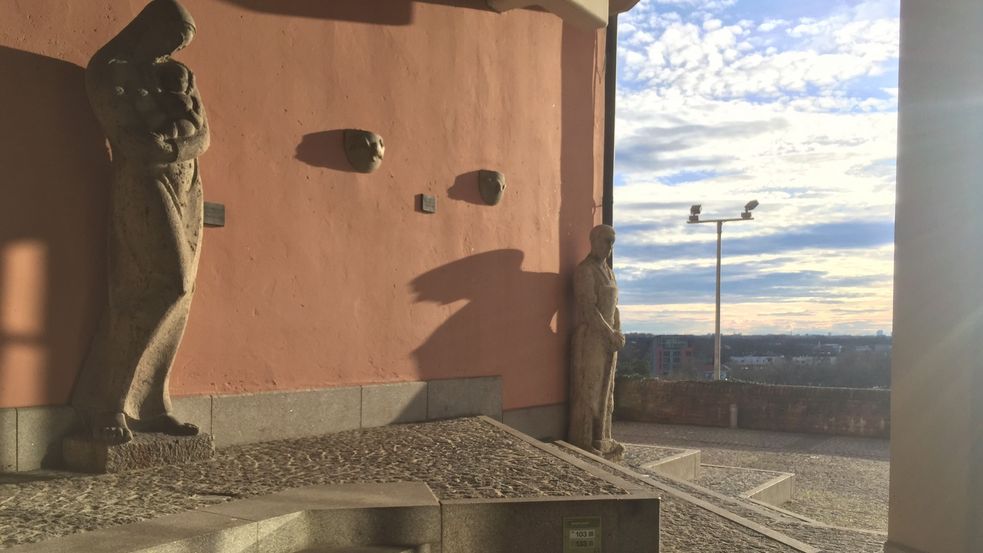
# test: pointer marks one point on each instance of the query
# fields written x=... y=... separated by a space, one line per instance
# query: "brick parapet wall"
x=836 y=411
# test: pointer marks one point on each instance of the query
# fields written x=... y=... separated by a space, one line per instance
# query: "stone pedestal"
x=146 y=450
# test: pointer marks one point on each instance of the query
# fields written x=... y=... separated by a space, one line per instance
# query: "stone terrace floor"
x=841 y=483
x=462 y=458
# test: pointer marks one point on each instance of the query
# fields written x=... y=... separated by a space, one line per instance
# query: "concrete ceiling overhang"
x=590 y=14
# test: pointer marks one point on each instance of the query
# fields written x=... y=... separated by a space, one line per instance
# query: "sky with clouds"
x=790 y=103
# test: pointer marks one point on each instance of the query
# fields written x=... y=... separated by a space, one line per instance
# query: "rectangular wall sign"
x=582 y=535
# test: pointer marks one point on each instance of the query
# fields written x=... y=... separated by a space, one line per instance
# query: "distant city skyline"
x=790 y=103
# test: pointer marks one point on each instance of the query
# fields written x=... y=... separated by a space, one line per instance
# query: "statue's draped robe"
x=154 y=245
x=594 y=359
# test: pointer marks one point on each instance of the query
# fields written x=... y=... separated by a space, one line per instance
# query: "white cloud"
x=712 y=24
x=698 y=4
x=862 y=307
x=824 y=53
x=794 y=112
x=771 y=24
x=793 y=317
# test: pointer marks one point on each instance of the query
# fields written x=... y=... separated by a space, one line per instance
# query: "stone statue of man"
x=150 y=108
x=596 y=341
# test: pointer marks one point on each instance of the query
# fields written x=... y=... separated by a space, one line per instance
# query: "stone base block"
x=146 y=450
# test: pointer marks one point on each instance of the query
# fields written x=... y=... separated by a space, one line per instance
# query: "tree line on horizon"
x=862 y=362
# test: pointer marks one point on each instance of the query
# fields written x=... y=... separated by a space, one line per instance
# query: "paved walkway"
x=840 y=482
x=462 y=458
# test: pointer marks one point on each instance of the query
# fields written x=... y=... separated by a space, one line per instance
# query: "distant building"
x=756 y=360
x=812 y=360
x=671 y=354
x=827 y=349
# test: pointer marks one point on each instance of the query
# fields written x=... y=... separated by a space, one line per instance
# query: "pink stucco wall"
x=322 y=276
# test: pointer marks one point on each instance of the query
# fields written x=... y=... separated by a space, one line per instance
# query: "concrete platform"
x=402 y=517
x=455 y=486
x=320 y=518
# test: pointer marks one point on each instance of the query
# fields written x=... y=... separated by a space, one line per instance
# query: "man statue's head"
x=601 y=241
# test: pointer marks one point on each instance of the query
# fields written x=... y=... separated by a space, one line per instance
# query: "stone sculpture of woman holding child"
x=150 y=109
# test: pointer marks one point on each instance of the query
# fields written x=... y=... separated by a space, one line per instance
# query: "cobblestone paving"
x=732 y=481
x=676 y=435
x=463 y=458
x=853 y=471
x=825 y=538
x=687 y=528
x=839 y=481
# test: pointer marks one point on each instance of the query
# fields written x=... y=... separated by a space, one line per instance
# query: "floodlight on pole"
x=694 y=217
x=747 y=209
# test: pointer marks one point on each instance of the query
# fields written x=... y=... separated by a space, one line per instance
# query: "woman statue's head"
x=162 y=28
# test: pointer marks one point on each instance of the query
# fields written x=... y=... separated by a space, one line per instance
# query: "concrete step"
x=767 y=486
x=681 y=464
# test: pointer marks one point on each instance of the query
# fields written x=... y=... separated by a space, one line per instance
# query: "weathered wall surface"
x=322 y=277
x=838 y=411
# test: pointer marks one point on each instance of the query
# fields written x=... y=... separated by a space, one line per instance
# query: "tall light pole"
x=694 y=218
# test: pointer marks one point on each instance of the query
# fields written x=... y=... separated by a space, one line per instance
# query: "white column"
x=936 y=502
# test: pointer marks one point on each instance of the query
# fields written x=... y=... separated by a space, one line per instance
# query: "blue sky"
x=790 y=103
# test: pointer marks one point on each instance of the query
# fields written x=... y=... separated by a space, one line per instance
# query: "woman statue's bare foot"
x=110 y=428
x=170 y=425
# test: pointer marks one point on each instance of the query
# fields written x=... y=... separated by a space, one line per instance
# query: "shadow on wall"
x=507 y=325
x=577 y=163
x=324 y=149
x=465 y=189
x=504 y=327
x=55 y=186
x=379 y=12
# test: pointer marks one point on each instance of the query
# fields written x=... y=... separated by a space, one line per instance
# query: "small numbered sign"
x=582 y=535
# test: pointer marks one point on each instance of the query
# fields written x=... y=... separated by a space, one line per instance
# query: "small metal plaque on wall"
x=582 y=535
x=428 y=203
x=214 y=214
